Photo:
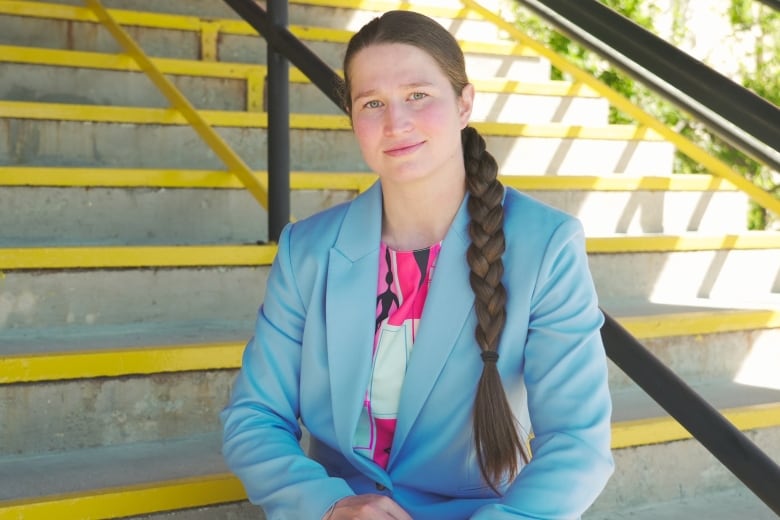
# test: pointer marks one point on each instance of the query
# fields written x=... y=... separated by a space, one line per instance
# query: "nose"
x=396 y=119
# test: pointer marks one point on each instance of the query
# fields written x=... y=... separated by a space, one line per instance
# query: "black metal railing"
x=727 y=443
x=739 y=116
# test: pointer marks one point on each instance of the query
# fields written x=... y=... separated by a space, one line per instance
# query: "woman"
x=392 y=331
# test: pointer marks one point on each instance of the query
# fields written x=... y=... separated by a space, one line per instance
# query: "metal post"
x=278 y=129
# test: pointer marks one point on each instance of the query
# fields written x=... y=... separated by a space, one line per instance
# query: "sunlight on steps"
x=111 y=262
x=762 y=365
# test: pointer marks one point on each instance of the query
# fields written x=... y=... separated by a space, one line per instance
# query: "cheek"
x=436 y=115
x=365 y=130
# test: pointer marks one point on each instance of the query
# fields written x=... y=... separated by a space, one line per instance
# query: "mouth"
x=403 y=149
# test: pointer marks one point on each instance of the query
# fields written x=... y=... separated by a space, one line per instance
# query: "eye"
x=373 y=104
x=416 y=96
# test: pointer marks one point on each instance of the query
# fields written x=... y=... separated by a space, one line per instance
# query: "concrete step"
x=186 y=37
x=189 y=472
x=216 y=212
x=43 y=134
x=114 y=384
x=58 y=286
x=657 y=472
x=739 y=502
x=154 y=477
x=78 y=414
x=687 y=268
x=32 y=299
x=338 y=14
x=704 y=343
x=109 y=79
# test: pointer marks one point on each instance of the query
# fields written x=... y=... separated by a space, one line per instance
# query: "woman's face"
x=405 y=114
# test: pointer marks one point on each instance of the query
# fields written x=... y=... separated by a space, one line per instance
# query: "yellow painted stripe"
x=124 y=62
x=163 y=116
x=108 y=257
x=430 y=8
x=697 y=323
x=547 y=88
x=116 y=257
x=661 y=243
x=56 y=366
x=59 y=366
x=558 y=131
x=119 y=177
x=165 y=178
x=679 y=182
x=226 y=26
x=643 y=432
x=82 y=14
x=215 y=69
x=224 y=488
x=140 y=499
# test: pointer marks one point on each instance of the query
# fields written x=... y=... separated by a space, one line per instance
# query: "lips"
x=403 y=149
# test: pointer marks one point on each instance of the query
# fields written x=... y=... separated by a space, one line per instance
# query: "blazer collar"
x=450 y=299
x=350 y=315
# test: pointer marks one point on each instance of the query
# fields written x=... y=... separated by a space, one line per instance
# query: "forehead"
x=393 y=63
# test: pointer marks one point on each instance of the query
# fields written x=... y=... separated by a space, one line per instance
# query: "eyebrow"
x=371 y=92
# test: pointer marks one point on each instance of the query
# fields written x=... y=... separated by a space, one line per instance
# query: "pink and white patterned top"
x=404 y=279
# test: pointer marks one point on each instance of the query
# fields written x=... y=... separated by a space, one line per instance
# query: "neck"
x=415 y=217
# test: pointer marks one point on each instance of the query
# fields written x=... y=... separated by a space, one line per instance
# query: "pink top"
x=404 y=278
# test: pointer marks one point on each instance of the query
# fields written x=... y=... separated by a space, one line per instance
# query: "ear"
x=465 y=104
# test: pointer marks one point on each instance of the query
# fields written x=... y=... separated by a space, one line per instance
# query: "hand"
x=367 y=507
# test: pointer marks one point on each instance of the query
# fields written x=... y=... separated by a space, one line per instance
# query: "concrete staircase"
x=132 y=264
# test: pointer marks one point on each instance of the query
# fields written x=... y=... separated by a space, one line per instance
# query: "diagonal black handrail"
x=739 y=116
x=728 y=444
x=291 y=47
x=721 y=438
x=774 y=4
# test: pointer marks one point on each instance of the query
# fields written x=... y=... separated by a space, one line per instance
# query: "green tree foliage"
x=762 y=77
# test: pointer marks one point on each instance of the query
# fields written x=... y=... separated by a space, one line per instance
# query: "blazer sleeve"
x=261 y=432
x=568 y=397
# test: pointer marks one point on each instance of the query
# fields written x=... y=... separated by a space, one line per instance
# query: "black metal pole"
x=726 y=442
x=278 y=129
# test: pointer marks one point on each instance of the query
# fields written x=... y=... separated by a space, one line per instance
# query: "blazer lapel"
x=352 y=280
x=449 y=302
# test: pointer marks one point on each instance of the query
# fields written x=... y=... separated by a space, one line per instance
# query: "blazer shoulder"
x=523 y=212
x=319 y=230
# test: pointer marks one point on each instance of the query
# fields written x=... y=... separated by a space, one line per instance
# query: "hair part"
x=497 y=442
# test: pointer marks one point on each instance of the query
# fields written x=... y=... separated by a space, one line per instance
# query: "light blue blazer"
x=310 y=361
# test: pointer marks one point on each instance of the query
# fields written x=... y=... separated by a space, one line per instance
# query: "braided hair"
x=497 y=442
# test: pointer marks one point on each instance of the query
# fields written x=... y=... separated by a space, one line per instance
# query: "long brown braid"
x=495 y=432
x=497 y=442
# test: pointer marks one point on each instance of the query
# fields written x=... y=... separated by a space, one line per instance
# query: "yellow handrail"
x=231 y=160
x=689 y=148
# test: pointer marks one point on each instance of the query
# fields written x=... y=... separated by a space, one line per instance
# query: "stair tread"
x=726 y=505
x=76 y=338
x=48 y=111
x=41 y=341
x=105 y=61
x=97 y=468
x=634 y=404
x=92 y=469
x=231 y=26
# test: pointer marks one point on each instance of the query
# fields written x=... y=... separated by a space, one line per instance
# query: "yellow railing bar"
x=692 y=150
x=233 y=162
